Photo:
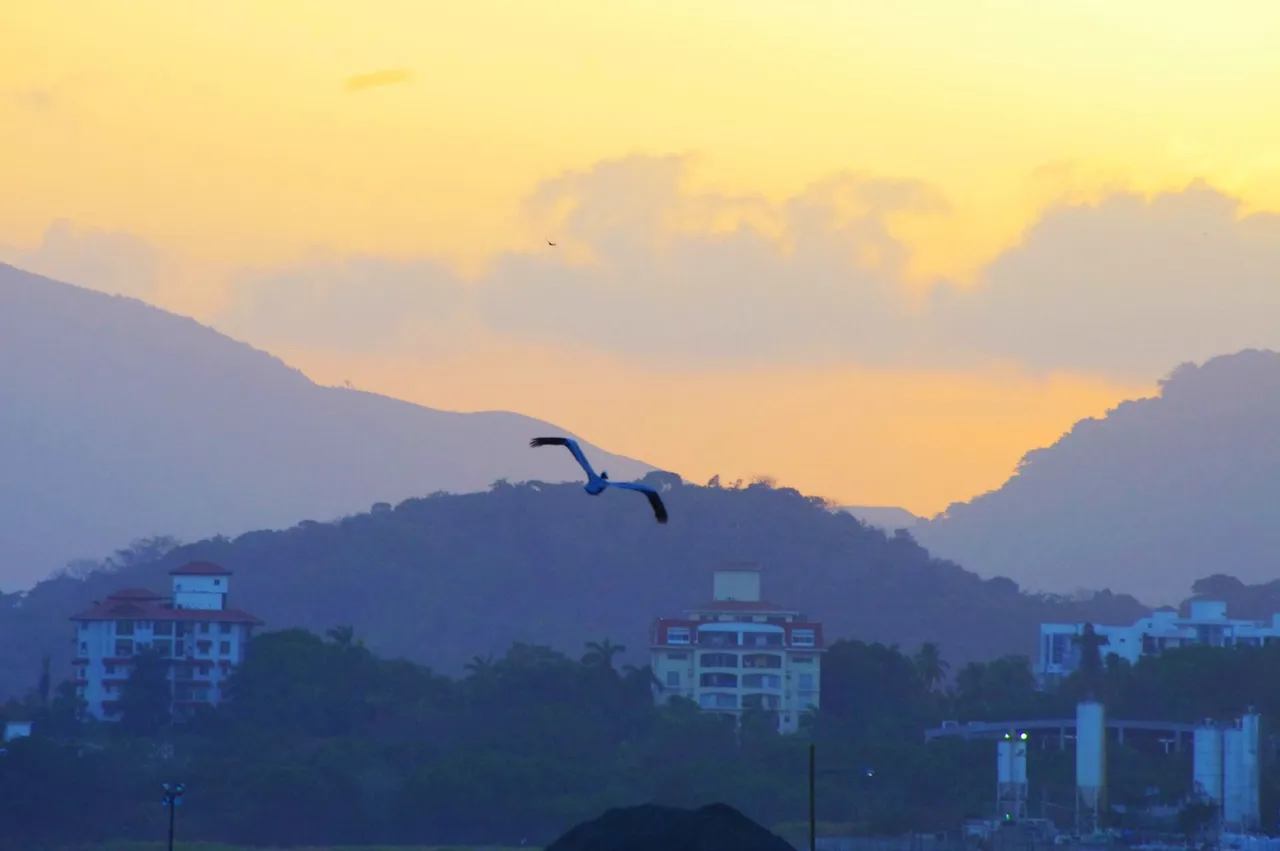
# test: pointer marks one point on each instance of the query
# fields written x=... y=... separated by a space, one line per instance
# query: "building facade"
x=1206 y=623
x=740 y=652
x=193 y=629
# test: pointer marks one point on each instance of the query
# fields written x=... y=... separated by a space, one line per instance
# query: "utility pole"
x=813 y=812
x=172 y=799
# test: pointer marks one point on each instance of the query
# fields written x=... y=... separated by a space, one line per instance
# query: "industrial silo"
x=1247 y=768
x=1091 y=764
x=1207 y=762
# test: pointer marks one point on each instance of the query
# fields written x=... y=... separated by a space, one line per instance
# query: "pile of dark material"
x=717 y=827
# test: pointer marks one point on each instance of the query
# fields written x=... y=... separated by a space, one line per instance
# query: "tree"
x=930 y=665
x=146 y=702
x=601 y=653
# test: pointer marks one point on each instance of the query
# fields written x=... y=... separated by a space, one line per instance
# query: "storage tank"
x=1207 y=762
x=1091 y=755
x=1235 y=790
x=1241 y=774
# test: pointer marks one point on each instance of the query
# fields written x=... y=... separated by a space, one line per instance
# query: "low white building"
x=739 y=652
x=1206 y=623
x=194 y=631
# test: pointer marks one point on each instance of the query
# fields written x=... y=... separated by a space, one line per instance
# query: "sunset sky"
x=875 y=250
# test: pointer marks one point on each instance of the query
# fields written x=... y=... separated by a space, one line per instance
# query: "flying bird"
x=596 y=483
x=552 y=244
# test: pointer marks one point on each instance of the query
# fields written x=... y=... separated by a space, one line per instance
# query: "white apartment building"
x=738 y=652
x=1207 y=623
x=202 y=639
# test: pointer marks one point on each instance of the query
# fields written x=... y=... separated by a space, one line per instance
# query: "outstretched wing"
x=659 y=510
x=572 y=446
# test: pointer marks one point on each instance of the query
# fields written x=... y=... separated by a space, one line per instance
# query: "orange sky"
x=215 y=139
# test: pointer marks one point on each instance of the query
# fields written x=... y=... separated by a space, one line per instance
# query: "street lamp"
x=813 y=774
x=172 y=799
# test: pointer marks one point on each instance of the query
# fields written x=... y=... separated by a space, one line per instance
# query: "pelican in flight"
x=596 y=483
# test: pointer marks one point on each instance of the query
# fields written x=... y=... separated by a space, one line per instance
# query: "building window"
x=224 y=628
x=165 y=648
x=719 y=681
x=224 y=648
x=762 y=660
x=677 y=635
x=673 y=679
x=762 y=681
x=806 y=682
x=711 y=638
x=84 y=648
x=124 y=627
x=204 y=627
x=202 y=647
x=124 y=647
x=109 y=669
x=718 y=700
x=802 y=638
x=677 y=657
x=718 y=660
x=164 y=628
x=761 y=701
x=217 y=582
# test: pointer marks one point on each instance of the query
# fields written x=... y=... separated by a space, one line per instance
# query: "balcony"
x=718 y=681
x=718 y=660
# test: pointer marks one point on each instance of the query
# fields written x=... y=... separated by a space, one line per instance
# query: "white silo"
x=1091 y=764
x=1011 y=777
x=1241 y=775
x=1207 y=762
x=1235 y=790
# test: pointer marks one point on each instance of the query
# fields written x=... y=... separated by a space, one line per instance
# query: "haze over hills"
x=1159 y=492
x=443 y=579
x=121 y=420
x=888 y=517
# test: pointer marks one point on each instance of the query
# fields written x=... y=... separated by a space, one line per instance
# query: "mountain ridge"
x=1157 y=493
x=121 y=420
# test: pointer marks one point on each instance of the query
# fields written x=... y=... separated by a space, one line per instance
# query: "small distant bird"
x=552 y=244
x=596 y=484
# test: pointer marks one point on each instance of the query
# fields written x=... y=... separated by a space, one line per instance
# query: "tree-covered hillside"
x=441 y=579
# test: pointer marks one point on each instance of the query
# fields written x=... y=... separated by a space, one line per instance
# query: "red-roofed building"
x=202 y=638
x=739 y=652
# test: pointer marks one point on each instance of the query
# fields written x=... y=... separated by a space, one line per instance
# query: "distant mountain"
x=1159 y=492
x=119 y=420
x=443 y=579
x=884 y=517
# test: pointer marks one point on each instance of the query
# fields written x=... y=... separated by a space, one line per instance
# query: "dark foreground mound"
x=717 y=827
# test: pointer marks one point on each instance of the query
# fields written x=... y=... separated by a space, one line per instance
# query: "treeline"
x=324 y=743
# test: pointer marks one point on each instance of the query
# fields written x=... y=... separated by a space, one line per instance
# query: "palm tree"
x=479 y=665
x=601 y=653
x=930 y=665
x=343 y=636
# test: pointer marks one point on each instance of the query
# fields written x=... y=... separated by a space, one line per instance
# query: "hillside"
x=446 y=578
x=1146 y=500
x=120 y=420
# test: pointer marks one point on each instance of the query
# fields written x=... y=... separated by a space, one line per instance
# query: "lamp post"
x=172 y=799
x=813 y=810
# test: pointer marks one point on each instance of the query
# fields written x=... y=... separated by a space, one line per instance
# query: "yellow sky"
x=224 y=134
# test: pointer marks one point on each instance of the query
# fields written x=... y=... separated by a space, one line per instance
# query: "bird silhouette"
x=552 y=244
x=597 y=482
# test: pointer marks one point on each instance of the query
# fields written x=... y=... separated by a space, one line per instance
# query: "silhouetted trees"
x=323 y=742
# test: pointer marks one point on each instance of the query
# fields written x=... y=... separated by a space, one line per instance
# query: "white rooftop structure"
x=1206 y=623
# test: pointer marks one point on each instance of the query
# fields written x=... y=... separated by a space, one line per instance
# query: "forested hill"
x=1147 y=499
x=446 y=578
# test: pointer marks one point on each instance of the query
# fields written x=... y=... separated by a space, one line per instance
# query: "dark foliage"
x=324 y=743
x=440 y=579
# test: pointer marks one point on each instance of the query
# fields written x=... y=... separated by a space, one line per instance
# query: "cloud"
x=1127 y=287
x=649 y=270
x=375 y=79
x=110 y=261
